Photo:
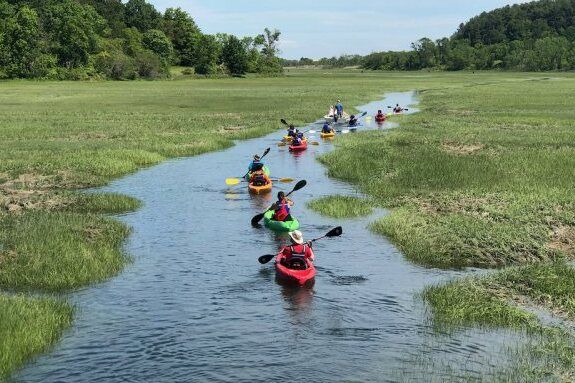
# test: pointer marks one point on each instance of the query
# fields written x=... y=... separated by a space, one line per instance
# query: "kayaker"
x=282 y=208
x=397 y=109
x=299 y=134
x=291 y=131
x=326 y=128
x=256 y=164
x=353 y=121
x=259 y=178
x=380 y=116
x=339 y=109
x=298 y=249
x=296 y=141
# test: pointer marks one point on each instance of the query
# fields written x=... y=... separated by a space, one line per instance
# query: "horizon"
x=307 y=28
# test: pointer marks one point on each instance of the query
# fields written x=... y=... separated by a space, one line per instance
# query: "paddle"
x=235 y=181
x=282 y=144
x=301 y=184
x=402 y=109
x=336 y=232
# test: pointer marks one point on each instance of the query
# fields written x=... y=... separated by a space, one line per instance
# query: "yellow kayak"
x=327 y=135
x=260 y=189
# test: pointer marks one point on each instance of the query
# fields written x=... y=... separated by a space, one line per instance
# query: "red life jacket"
x=298 y=251
x=282 y=212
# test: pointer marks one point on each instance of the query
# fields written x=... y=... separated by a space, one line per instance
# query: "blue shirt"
x=253 y=164
x=326 y=128
x=339 y=107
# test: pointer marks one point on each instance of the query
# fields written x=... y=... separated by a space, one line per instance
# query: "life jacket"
x=296 y=141
x=326 y=129
x=300 y=135
x=296 y=255
x=291 y=133
x=255 y=166
x=281 y=212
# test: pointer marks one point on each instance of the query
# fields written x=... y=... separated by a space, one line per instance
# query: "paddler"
x=291 y=131
x=256 y=164
x=298 y=250
x=259 y=178
x=380 y=116
x=281 y=208
x=326 y=129
x=353 y=121
x=397 y=109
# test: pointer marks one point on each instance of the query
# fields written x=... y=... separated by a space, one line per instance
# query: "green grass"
x=55 y=251
x=338 y=206
x=29 y=326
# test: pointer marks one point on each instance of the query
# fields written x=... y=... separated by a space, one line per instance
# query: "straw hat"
x=296 y=236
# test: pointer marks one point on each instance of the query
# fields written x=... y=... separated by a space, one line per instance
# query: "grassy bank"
x=338 y=206
x=28 y=326
x=483 y=177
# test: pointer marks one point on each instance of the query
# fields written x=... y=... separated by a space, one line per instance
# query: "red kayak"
x=298 y=273
x=298 y=148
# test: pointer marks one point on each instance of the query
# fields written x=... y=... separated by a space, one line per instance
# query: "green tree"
x=184 y=34
x=156 y=41
x=112 y=11
x=207 y=55
x=142 y=15
x=75 y=30
x=234 y=56
x=20 y=45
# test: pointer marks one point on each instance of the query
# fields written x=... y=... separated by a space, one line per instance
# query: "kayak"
x=298 y=148
x=266 y=171
x=278 y=225
x=327 y=135
x=299 y=277
x=260 y=189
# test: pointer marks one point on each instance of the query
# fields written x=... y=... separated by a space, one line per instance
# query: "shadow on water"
x=197 y=306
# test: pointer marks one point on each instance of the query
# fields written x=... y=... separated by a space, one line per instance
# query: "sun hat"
x=296 y=236
x=257 y=157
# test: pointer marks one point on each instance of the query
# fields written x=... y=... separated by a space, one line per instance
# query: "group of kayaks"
x=306 y=271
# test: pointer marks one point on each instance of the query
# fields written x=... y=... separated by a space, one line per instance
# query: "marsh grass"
x=339 y=206
x=29 y=326
x=56 y=251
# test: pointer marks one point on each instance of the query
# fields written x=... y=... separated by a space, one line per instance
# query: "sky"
x=321 y=28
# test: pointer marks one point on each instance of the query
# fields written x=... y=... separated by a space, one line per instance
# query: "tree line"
x=80 y=39
x=537 y=36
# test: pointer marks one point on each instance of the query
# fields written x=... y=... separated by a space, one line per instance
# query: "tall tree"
x=184 y=34
x=234 y=56
x=20 y=45
x=207 y=55
x=142 y=15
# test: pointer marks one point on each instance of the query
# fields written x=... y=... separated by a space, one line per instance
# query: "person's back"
x=298 y=251
x=339 y=108
x=259 y=178
x=326 y=128
x=352 y=121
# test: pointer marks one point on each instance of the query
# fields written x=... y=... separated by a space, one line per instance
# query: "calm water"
x=197 y=306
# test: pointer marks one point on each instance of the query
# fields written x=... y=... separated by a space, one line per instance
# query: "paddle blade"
x=336 y=232
x=256 y=220
x=312 y=132
x=300 y=185
x=266 y=153
x=315 y=143
x=282 y=144
x=232 y=181
x=363 y=114
x=265 y=258
x=284 y=121
x=286 y=180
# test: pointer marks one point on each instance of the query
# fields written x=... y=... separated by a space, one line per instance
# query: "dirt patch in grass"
x=563 y=239
x=461 y=149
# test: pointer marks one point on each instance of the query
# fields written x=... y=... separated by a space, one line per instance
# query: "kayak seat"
x=297 y=262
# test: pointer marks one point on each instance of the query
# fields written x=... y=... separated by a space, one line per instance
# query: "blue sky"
x=321 y=28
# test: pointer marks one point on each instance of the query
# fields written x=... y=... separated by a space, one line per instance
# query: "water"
x=197 y=306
